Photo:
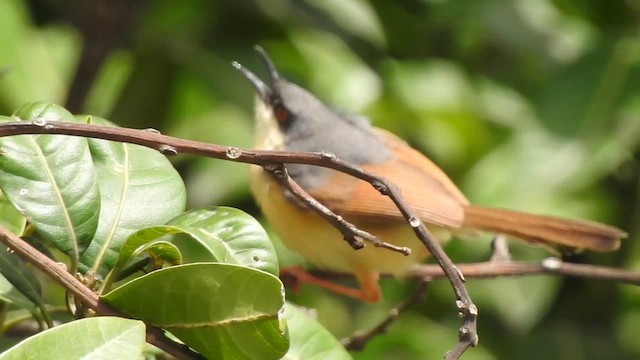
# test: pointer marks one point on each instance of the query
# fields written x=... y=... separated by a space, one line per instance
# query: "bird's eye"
x=280 y=112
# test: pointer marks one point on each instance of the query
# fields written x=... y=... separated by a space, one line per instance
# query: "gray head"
x=303 y=123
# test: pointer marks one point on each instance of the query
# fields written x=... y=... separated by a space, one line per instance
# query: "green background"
x=531 y=105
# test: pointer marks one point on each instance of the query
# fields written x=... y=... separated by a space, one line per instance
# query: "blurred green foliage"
x=532 y=105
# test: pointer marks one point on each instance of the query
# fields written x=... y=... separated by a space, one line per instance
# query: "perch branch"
x=494 y=269
x=59 y=272
x=551 y=266
x=350 y=232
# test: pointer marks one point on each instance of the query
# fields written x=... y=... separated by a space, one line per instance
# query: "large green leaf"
x=227 y=235
x=309 y=339
x=92 y=338
x=220 y=310
x=51 y=180
x=139 y=188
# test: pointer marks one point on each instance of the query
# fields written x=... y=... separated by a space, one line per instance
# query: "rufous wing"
x=423 y=185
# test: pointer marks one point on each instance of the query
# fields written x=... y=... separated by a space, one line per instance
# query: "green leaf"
x=92 y=338
x=8 y=293
x=15 y=317
x=219 y=234
x=226 y=235
x=10 y=218
x=220 y=310
x=50 y=179
x=143 y=239
x=161 y=252
x=139 y=188
x=14 y=270
x=309 y=339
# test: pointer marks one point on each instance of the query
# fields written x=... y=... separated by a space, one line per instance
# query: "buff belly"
x=318 y=242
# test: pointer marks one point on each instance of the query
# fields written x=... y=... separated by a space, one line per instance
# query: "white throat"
x=268 y=135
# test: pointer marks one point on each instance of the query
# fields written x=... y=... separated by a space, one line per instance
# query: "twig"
x=494 y=269
x=59 y=273
x=357 y=341
x=467 y=334
x=550 y=265
x=350 y=232
x=500 y=249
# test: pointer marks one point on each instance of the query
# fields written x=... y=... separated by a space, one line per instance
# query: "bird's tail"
x=546 y=230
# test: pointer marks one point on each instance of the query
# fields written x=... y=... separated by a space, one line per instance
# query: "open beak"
x=263 y=90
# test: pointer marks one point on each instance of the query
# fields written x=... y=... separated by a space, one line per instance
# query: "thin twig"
x=357 y=341
x=350 y=232
x=59 y=273
x=500 y=249
x=551 y=266
x=493 y=269
x=467 y=335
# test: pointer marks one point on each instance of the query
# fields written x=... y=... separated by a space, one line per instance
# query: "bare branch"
x=357 y=341
x=350 y=232
x=493 y=269
x=552 y=266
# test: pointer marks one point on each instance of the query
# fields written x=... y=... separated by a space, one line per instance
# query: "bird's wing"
x=423 y=185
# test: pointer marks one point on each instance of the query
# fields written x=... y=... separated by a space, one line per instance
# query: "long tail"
x=546 y=230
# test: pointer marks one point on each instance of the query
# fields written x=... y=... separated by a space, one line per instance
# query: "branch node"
x=473 y=310
x=460 y=274
x=39 y=122
x=354 y=241
x=167 y=150
x=551 y=263
x=327 y=155
x=381 y=187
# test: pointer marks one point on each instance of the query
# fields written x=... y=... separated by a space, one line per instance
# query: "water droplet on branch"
x=233 y=153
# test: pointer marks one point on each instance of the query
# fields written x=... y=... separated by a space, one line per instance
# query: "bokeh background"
x=526 y=104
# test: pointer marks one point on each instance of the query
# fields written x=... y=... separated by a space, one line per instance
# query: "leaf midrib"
x=109 y=239
x=67 y=218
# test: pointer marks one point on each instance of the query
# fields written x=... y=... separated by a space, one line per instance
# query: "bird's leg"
x=369 y=290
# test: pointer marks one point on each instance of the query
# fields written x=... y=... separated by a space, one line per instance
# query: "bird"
x=288 y=117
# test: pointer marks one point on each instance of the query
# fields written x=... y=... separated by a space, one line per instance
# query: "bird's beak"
x=263 y=90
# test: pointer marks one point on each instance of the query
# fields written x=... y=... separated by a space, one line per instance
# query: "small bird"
x=289 y=117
